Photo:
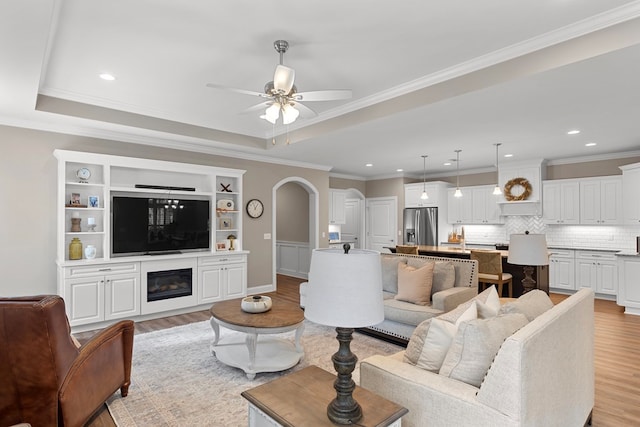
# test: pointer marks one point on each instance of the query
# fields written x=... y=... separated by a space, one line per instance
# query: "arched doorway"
x=314 y=212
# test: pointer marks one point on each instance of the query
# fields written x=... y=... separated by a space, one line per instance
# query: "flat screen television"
x=147 y=225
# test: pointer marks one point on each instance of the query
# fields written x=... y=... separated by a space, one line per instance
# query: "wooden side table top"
x=300 y=399
x=282 y=313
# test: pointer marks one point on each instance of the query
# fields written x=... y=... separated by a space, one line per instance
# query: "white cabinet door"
x=601 y=201
x=337 y=200
x=586 y=273
x=235 y=280
x=84 y=300
x=629 y=291
x=607 y=277
x=630 y=186
x=210 y=279
x=484 y=205
x=122 y=296
x=412 y=195
x=562 y=270
x=598 y=271
x=561 y=202
x=221 y=278
x=460 y=209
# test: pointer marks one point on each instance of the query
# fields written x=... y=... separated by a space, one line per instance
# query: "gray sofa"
x=542 y=375
x=400 y=317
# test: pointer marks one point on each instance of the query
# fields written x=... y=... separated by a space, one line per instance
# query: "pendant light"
x=424 y=196
x=497 y=191
x=458 y=193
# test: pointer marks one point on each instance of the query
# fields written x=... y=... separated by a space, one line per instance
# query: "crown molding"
x=593 y=158
x=345 y=176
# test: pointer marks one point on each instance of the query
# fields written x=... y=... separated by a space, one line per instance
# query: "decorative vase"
x=75 y=225
x=75 y=249
x=90 y=252
x=256 y=304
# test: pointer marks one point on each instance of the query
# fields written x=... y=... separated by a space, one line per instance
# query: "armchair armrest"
x=102 y=367
x=449 y=299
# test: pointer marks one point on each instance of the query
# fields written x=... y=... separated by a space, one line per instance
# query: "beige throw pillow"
x=532 y=304
x=389 y=265
x=416 y=342
x=491 y=306
x=444 y=276
x=414 y=285
x=475 y=346
x=439 y=338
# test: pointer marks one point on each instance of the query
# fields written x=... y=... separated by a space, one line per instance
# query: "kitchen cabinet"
x=598 y=271
x=337 y=204
x=562 y=269
x=436 y=190
x=630 y=186
x=531 y=171
x=222 y=277
x=485 y=208
x=97 y=292
x=459 y=208
x=561 y=201
x=601 y=201
x=629 y=291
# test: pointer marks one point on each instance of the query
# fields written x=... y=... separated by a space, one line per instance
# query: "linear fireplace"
x=168 y=285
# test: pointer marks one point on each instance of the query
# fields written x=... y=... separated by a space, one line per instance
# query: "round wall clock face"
x=255 y=208
x=83 y=173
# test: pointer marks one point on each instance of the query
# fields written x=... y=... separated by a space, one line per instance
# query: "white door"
x=351 y=228
x=382 y=223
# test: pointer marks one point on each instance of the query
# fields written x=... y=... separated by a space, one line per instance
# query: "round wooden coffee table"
x=256 y=353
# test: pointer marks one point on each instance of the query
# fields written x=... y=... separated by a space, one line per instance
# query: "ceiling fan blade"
x=322 y=95
x=257 y=108
x=283 y=79
x=304 y=110
x=243 y=91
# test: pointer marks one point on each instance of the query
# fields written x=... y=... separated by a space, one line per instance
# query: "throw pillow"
x=491 y=307
x=389 y=266
x=414 y=285
x=444 y=276
x=416 y=342
x=439 y=338
x=475 y=346
x=532 y=304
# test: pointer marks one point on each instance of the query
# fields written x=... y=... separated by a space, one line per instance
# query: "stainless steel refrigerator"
x=421 y=226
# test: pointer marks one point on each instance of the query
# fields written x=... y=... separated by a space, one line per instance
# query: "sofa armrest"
x=449 y=299
x=102 y=367
x=428 y=396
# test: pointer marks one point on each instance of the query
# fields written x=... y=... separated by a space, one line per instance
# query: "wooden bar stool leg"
x=499 y=285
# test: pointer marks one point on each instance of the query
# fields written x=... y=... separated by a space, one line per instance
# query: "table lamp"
x=345 y=291
x=528 y=250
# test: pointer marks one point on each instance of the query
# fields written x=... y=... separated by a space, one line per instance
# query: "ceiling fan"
x=283 y=96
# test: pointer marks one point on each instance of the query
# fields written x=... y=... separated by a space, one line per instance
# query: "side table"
x=300 y=399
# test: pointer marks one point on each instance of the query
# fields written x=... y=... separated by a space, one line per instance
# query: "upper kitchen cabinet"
x=436 y=190
x=337 y=205
x=485 y=205
x=631 y=189
x=601 y=200
x=460 y=208
x=561 y=201
x=532 y=171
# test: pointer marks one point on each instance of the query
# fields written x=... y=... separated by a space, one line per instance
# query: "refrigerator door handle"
x=417 y=226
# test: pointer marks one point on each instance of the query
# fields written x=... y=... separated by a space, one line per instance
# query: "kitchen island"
x=540 y=273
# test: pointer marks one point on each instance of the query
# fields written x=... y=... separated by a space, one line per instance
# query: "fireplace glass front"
x=169 y=284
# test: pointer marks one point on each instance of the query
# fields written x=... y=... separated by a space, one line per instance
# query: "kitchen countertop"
x=567 y=247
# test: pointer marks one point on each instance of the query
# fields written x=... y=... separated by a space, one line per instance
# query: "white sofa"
x=542 y=375
x=401 y=317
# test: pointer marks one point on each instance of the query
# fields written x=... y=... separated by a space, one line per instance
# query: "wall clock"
x=255 y=208
x=83 y=174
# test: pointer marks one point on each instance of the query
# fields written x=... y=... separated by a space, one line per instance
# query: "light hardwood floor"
x=617 y=357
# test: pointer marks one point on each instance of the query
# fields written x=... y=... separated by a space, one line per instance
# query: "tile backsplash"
x=619 y=237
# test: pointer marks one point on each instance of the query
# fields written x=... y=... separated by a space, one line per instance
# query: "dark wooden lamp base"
x=344 y=409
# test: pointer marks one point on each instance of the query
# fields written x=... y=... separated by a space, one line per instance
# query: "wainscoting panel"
x=293 y=258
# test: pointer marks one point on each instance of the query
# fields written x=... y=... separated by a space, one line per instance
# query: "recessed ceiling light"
x=399 y=170
x=447 y=163
x=573 y=132
x=590 y=144
x=107 y=76
x=508 y=155
x=369 y=165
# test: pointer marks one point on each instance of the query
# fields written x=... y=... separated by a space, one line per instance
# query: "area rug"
x=175 y=381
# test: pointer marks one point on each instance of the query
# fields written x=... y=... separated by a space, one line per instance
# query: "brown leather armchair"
x=45 y=380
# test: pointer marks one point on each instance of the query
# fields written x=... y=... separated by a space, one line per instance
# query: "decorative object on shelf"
x=496 y=190
x=75 y=199
x=457 y=193
x=517 y=182
x=222 y=246
x=256 y=304
x=225 y=205
x=528 y=250
x=94 y=201
x=226 y=188
x=232 y=238
x=424 y=195
x=345 y=291
x=75 y=249
x=75 y=222
x=255 y=208
x=91 y=224
x=226 y=223
x=90 y=252
x=83 y=174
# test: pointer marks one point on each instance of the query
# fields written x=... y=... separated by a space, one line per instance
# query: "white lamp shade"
x=283 y=79
x=272 y=113
x=345 y=290
x=528 y=249
x=289 y=114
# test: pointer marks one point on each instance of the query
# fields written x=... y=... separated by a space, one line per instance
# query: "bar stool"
x=407 y=249
x=490 y=271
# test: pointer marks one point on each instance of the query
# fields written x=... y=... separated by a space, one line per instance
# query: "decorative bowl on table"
x=256 y=304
